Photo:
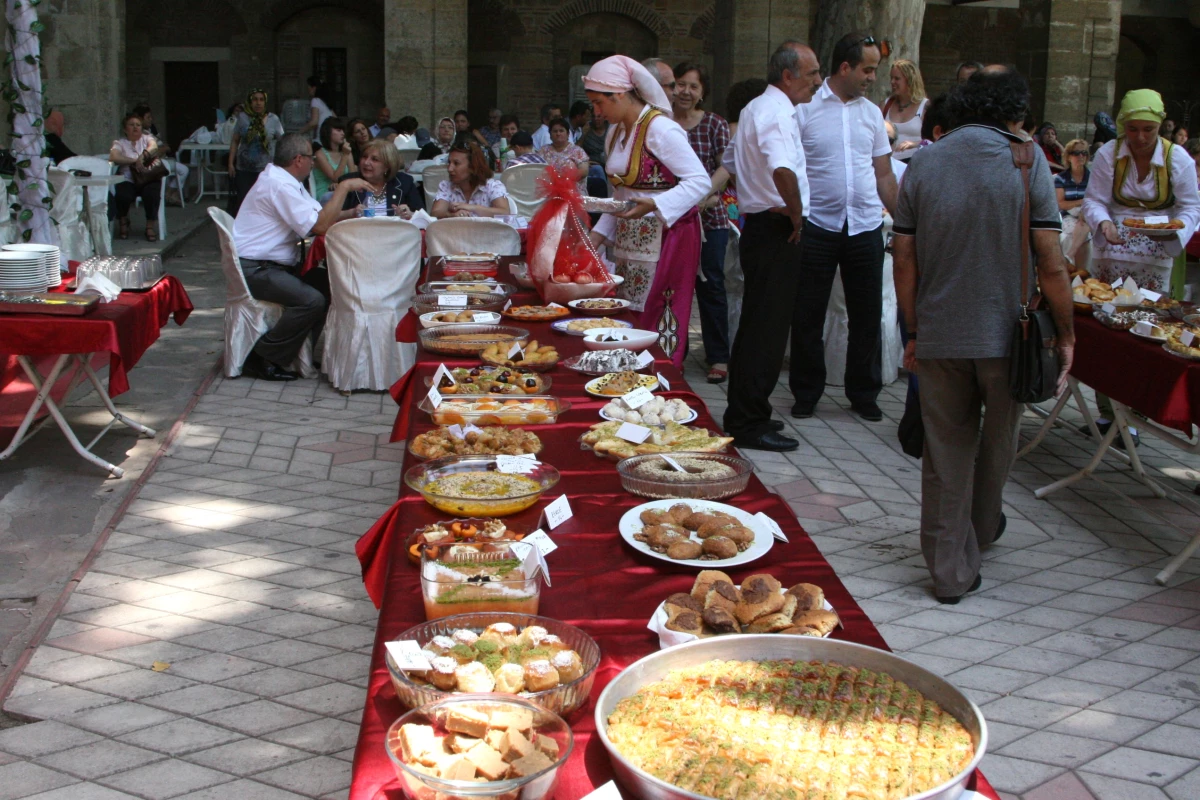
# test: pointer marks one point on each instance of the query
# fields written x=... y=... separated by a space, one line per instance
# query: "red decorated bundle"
x=562 y=260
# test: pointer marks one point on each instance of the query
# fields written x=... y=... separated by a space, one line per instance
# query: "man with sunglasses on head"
x=850 y=183
x=768 y=159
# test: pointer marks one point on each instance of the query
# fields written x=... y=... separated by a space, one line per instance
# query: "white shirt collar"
x=1158 y=159
x=776 y=95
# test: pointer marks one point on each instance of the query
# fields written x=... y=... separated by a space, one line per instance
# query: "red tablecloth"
x=1138 y=373
x=124 y=329
x=600 y=584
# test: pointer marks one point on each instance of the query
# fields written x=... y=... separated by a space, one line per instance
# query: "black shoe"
x=953 y=601
x=1103 y=426
x=868 y=410
x=766 y=441
x=776 y=425
x=803 y=410
x=258 y=367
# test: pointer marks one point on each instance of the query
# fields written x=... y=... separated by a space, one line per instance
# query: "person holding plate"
x=1141 y=176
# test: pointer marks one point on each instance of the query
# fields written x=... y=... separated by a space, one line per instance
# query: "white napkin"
x=98 y=284
x=421 y=219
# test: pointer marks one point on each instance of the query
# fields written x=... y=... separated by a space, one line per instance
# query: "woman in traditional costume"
x=656 y=243
x=1138 y=176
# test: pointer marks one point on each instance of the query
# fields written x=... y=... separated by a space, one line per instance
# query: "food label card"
x=532 y=559
x=664 y=383
x=1143 y=329
x=541 y=541
x=508 y=305
x=518 y=465
x=674 y=464
x=771 y=525
x=471 y=428
x=1108 y=308
x=482 y=316
x=1158 y=220
x=1187 y=337
x=457 y=432
x=644 y=359
x=608 y=791
x=441 y=373
x=497 y=289
x=407 y=655
x=435 y=397
x=633 y=433
x=638 y=397
x=1153 y=297
x=515 y=349
x=557 y=512
x=452 y=300
x=555 y=305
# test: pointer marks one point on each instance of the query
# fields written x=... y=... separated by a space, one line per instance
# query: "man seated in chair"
x=277 y=212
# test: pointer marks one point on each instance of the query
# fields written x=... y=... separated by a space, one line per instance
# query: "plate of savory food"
x=493 y=410
x=695 y=533
x=493 y=380
x=716 y=606
x=600 y=306
x=470 y=339
x=536 y=313
x=616 y=384
x=602 y=362
x=493 y=440
x=579 y=326
x=443 y=301
x=534 y=356
x=452 y=317
x=672 y=437
x=1155 y=230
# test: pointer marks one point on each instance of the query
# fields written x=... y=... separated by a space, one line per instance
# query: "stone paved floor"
x=220 y=646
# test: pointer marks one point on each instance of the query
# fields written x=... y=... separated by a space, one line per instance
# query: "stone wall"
x=954 y=34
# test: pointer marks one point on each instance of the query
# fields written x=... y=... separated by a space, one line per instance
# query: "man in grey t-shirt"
x=957 y=262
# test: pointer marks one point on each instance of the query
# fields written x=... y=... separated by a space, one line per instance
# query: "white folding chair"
x=162 y=203
x=66 y=210
x=521 y=182
x=97 y=223
x=471 y=235
x=246 y=319
x=312 y=184
x=8 y=226
x=409 y=156
x=432 y=177
x=373 y=265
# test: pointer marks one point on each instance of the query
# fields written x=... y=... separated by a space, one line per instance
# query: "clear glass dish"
x=697 y=488
x=478 y=578
x=469 y=339
x=476 y=301
x=535 y=409
x=542 y=479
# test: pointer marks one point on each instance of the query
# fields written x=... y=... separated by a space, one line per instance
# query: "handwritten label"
x=633 y=433
x=443 y=373
x=771 y=526
x=558 y=512
x=515 y=349
x=674 y=464
x=1153 y=297
x=452 y=300
x=608 y=791
x=638 y=397
x=407 y=655
x=434 y=396
x=664 y=383
x=482 y=316
x=508 y=305
x=541 y=541
x=532 y=559
x=457 y=432
x=1108 y=308
x=516 y=464
x=1157 y=220
x=1186 y=338
x=1116 y=287
x=555 y=305
x=1144 y=329
x=644 y=359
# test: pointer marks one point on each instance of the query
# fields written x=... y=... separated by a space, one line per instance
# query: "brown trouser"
x=963 y=471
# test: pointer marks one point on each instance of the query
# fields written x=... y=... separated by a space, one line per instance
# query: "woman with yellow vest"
x=1141 y=175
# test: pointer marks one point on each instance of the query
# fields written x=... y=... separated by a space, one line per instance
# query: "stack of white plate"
x=22 y=272
x=50 y=256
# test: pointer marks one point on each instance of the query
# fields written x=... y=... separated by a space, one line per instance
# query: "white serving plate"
x=763 y=540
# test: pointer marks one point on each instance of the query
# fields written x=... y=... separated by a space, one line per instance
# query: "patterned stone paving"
x=219 y=647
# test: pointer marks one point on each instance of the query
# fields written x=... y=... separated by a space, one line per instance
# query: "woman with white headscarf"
x=657 y=242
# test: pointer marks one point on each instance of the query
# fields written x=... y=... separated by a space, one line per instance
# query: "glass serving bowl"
x=544 y=477
x=458 y=287
x=498 y=409
x=448 y=339
x=696 y=487
x=478 y=577
x=476 y=301
x=419 y=784
x=562 y=699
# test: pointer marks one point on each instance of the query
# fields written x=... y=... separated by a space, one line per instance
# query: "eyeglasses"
x=868 y=41
x=1078 y=153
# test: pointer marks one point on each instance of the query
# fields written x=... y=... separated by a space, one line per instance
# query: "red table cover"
x=1138 y=373
x=600 y=584
x=124 y=329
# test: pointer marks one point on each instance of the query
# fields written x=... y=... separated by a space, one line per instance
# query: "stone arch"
x=629 y=8
x=509 y=21
x=702 y=27
x=281 y=11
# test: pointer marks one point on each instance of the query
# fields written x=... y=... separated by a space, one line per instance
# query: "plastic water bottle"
x=369 y=211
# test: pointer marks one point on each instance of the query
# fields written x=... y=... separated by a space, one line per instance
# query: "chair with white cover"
x=432 y=177
x=73 y=237
x=521 y=182
x=162 y=203
x=471 y=235
x=246 y=319
x=8 y=226
x=409 y=156
x=98 y=224
x=374 y=264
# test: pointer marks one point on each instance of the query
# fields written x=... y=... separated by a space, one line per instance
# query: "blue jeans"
x=710 y=297
x=597 y=181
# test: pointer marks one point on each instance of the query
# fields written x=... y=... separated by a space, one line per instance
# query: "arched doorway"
x=341 y=45
x=591 y=37
x=1137 y=65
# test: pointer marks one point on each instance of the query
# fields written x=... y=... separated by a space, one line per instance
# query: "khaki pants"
x=963 y=471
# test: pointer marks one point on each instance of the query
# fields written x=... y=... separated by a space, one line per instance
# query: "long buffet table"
x=599 y=584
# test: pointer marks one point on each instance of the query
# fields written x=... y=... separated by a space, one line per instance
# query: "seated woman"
x=136 y=152
x=393 y=193
x=463 y=126
x=334 y=158
x=1071 y=185
x=406 y=133
x=562 y=154
x=359 y=133
x=471 y=190
x=440 y=145
x=1047 y=139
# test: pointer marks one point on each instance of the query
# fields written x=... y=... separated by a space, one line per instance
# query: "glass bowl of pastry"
x=479 y=746
x=439 y=537
x=472 y=486
x=704 y=476
x=476 y=577
x=476 y=301
x=540 y=659
x=466 y=340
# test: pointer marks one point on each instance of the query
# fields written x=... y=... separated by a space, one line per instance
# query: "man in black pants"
x=768 y=159
x=276 y=213
x=851 y=181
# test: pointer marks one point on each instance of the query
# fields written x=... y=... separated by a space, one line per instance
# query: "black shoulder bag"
x=1033 y=364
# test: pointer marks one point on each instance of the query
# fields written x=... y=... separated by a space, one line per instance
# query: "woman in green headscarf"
x=252 y=146
x=1141 y=176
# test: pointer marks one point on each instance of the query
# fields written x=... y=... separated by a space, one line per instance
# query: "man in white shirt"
x=541 y=137
x=381 y=121
x=768 y=160
x=851 y=181
x=276 y=213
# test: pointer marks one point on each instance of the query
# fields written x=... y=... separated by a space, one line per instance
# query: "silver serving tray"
x=761 y=647
x=145 y=287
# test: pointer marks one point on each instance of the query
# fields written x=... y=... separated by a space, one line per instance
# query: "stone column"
x=744 y=34
x=425 y=58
